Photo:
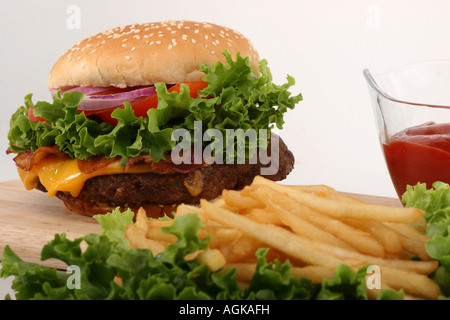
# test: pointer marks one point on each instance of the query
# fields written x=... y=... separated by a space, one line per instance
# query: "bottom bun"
x=91 y=209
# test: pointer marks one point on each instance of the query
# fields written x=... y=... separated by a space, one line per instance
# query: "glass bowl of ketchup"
x=412 y=113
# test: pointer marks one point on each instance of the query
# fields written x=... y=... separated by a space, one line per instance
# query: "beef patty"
x=161 y=193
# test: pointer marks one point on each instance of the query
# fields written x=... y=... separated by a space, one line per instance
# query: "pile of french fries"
x=314 y=227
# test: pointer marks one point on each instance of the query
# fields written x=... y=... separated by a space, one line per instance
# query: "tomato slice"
x=32 y=117
x=142 y=105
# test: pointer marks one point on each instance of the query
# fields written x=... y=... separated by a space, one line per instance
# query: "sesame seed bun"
x=144 y=54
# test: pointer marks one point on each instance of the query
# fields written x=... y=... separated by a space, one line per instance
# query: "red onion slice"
x=128 y=94
x=99 y=102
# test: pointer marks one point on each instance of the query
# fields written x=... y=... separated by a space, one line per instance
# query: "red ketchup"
x=419 y=154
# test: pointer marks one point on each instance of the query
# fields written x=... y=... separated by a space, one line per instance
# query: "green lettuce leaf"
x=112 y=225
x=435 y=201
x=108 y=269
x=237 y=99
x=345 y=285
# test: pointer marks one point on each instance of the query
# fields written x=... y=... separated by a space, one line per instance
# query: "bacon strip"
x=94 y=163
x=143 y=158
x=25 y=160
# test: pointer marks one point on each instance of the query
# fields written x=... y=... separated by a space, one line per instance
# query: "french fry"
x=213 y=258
x=408 y=231
x=264 y=216
x=315 y=273
x=141 y=219
x=137 y=239
x=314 y=227
x=229 y=254
x=340 y=209
x=320 y=188
x=183 y=209
x=237 y=200
x=157 y=234
x=413 y=283
x=308 y=230
x=415 y=247
x=350 y=236
x=246 y=246
x=222 y=235
x=422 y=267
x=274 y=236
x=389 y=239
x=244 y=271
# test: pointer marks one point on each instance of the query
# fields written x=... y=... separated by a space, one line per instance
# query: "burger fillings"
x=105 y=140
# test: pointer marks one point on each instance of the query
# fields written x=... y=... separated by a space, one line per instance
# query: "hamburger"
x=106 y=139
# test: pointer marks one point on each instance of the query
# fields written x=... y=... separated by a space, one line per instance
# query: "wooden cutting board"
x=30 y=219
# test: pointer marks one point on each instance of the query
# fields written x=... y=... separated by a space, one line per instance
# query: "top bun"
x=143 y=54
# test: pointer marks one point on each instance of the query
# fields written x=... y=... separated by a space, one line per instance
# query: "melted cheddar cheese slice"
x=57 y=174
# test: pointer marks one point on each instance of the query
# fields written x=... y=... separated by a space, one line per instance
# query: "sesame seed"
x=124 y=45
x=158 y=42
x=151 y=43
x=136 y=37
x=193 y=40
x=134 y=48
x=196 y=31
x=124 y=40
x=174 y=42
x=173 y=31
x=170 y=47
x=127 y=57
x=184 y=37
x=93 y=51
x=79 y=57
x=82 y=65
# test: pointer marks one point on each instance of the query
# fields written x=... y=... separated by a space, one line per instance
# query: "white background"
x=323 y=44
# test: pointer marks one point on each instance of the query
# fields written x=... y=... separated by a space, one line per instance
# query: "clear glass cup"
x=412 y=112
